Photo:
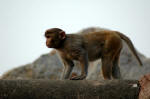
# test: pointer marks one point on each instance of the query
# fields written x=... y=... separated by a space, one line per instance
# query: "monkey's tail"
x=131 y=46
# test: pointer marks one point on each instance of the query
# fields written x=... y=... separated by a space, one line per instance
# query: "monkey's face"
x=54 y=37
x=49 y=41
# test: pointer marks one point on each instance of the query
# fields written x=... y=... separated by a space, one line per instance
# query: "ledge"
x=67 y=89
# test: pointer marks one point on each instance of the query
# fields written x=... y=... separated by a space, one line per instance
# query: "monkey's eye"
x=47 y=36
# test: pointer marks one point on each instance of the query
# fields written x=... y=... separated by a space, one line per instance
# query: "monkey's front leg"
x=67 y=69
x=84 y=68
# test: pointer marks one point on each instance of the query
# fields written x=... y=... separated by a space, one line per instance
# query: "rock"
x=67 y=89
x=49 y=66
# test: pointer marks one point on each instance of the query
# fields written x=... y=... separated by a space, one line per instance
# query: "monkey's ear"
x=62 y=35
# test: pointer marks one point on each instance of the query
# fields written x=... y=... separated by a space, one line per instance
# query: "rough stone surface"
x=67 y=89
x=145 y=87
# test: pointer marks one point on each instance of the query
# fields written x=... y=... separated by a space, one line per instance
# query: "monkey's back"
x=97 y=42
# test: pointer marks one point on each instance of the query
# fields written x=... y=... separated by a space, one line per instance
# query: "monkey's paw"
x=78 y=77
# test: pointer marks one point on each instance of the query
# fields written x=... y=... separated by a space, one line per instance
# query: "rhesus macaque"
x=105 y=44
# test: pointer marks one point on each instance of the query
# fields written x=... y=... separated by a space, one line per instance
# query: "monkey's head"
x=54 y=37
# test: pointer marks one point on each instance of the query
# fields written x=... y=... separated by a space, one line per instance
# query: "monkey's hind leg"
x=106 y=67
x=116 y=69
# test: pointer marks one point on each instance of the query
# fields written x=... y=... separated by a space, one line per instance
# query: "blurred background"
x=23 y=22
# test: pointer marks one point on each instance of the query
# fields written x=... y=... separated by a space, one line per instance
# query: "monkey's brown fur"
x=89 y=47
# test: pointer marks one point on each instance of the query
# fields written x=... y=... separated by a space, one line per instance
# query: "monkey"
x=105 y=45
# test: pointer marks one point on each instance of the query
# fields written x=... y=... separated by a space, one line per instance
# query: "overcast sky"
x=23 y=22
